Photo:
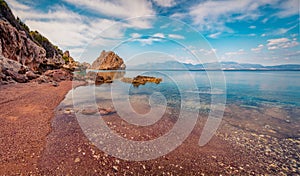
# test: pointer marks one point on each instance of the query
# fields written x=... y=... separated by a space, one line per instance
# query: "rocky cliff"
x=25 y=54
x=108 y=61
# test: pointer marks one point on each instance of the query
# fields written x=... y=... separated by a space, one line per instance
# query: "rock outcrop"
x=54 y=58
x=108 y=61
x=15 y=45
x=25 y=54
x=72 y=65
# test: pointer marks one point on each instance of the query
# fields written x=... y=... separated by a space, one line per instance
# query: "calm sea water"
x=198 y=89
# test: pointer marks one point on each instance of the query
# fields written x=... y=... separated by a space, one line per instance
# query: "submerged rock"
x=141 y=80
x=106 y=111
x=108 y=61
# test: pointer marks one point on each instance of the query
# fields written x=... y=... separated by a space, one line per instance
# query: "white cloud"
x=159 y=35
x=215 y=35
x=176 y=36
x=17 y=5
x=263 y=35
x=258 y=48
x=239 y=52
x=139 y=23
x=281 y=43
x=165 y=3
x=117 y=8
x=213 y=15
x=135 y=35
x=148 y=40
x=178 y=15
x=288 y=8
x=72 y=31
x=139 y=13
x=208 y=52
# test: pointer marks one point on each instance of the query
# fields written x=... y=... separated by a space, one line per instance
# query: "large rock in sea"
x=108 y=61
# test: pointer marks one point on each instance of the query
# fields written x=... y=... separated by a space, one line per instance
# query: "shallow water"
x=259 y=132
x=198 y=88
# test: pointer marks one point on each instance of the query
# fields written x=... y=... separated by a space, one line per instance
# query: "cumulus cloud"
x=281 y=43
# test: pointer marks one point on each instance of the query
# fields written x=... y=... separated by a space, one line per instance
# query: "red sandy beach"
x=30 y=145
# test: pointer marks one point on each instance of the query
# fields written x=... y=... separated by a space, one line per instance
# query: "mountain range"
x=175 y=65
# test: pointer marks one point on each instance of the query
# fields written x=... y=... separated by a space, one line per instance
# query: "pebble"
x=115 y=168
x=77 y=160
x=55 y=84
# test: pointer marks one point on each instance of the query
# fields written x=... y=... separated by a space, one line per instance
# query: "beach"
x=41 y=135
x=25 y=119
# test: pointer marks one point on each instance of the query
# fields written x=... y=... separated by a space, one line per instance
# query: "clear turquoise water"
x=244 y=88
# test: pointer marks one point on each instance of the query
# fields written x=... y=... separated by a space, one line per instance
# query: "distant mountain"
x=175 y=65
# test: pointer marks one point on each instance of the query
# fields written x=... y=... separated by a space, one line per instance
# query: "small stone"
x=144 y=167
x=55 y=84
x=77 y=160
x=272 y=131
x=115 y=168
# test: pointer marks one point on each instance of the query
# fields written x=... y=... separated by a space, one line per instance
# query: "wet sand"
x=249 y=141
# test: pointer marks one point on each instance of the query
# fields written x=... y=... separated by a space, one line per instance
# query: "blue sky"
x=195 y=31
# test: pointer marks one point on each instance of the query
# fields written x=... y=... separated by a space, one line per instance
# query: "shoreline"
x=26 y=115
x=36 y=138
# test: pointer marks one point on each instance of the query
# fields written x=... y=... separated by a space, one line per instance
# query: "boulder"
x=31 y=75
x=58 y=75
x=108 y=61
x=11 y=71
x=16 y=76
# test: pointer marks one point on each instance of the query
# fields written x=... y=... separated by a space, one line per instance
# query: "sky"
x=195 y=31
